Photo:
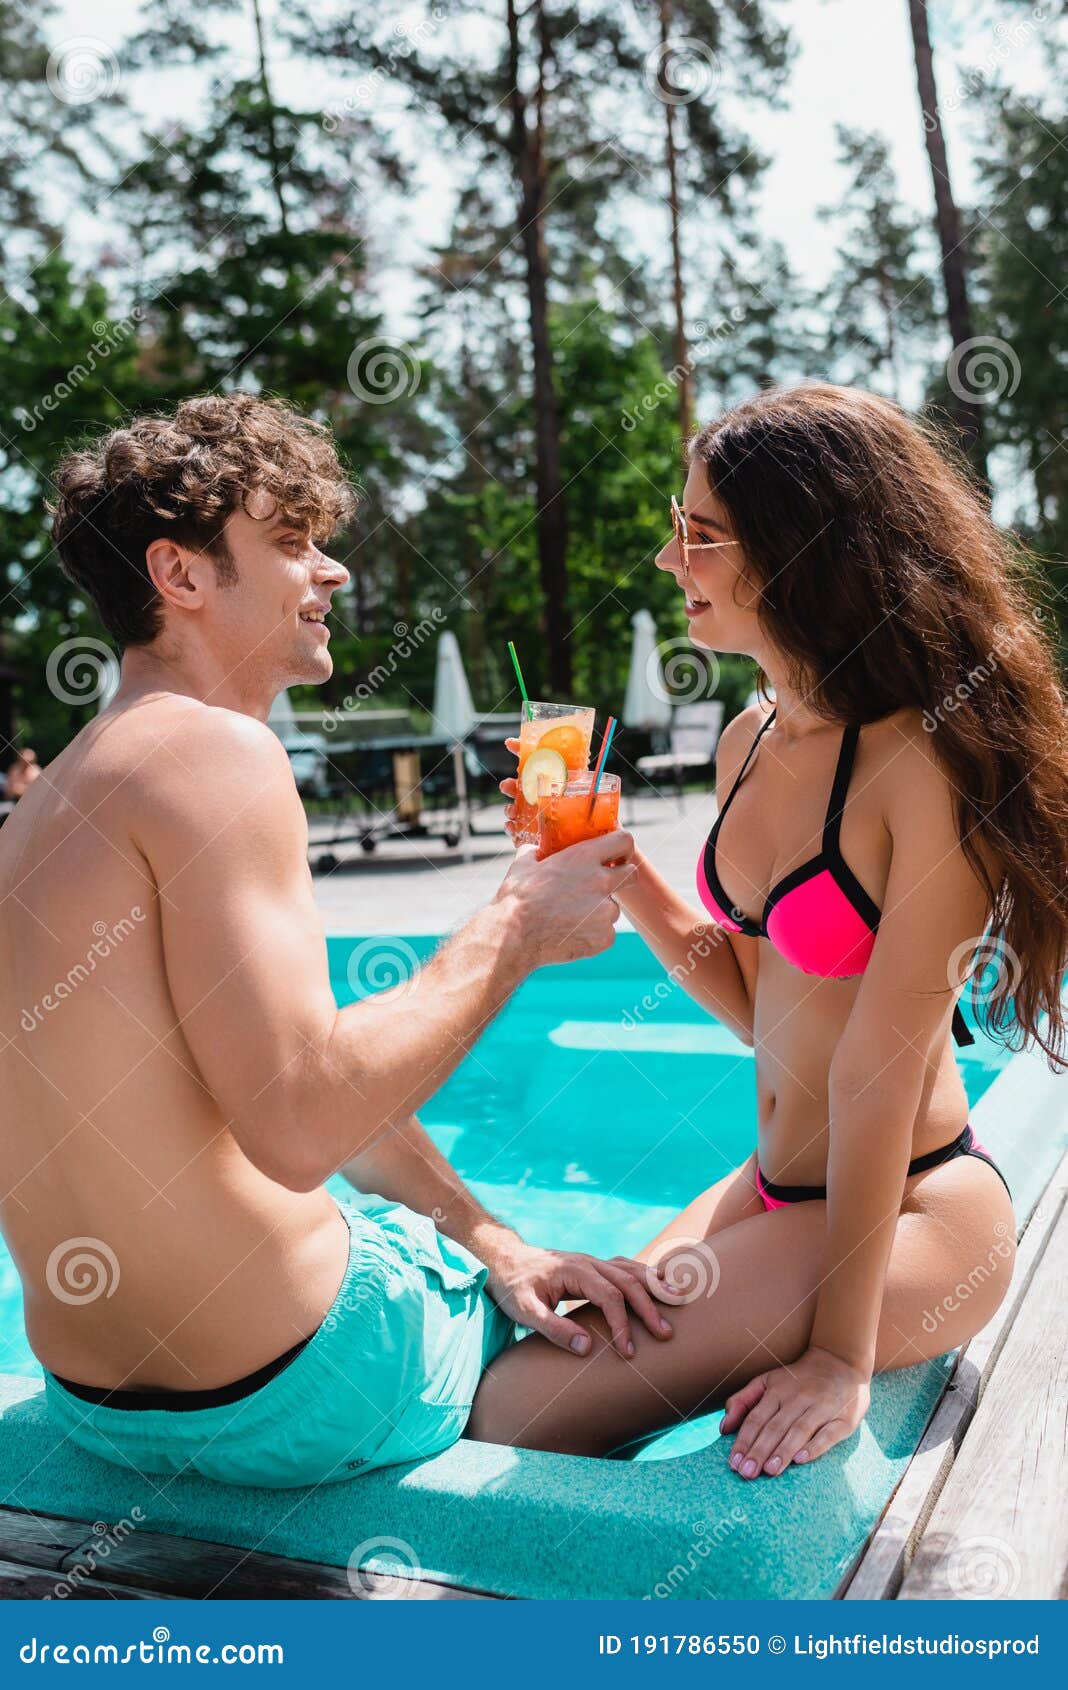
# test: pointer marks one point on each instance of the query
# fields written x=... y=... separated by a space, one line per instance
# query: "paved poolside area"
x=422 y=886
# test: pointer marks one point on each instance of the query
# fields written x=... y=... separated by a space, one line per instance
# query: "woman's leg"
x=732 y=1199
x=753 y=1309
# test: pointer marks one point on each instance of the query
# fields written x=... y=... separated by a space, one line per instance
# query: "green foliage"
x=1023 y=248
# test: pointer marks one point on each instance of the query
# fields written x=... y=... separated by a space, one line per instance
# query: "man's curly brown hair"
x=178 y=478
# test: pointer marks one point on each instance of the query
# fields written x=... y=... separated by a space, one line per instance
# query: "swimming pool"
x=596 y=1105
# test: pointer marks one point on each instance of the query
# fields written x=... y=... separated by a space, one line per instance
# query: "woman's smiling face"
x=721 y=602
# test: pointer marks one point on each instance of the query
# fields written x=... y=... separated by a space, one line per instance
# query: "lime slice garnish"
x=542 y=765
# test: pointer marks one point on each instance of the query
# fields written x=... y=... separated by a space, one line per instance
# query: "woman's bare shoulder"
x=917 y=790
x=735 y=742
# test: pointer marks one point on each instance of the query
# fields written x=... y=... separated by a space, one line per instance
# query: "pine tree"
x=879 y=303
x=949 y=227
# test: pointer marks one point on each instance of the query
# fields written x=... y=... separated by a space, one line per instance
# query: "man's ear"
x=177 y=574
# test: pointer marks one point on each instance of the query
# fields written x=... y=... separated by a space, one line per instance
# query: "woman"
x=905 y=802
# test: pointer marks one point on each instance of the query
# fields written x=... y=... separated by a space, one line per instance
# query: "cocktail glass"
x=568 y=817
x=539 y=720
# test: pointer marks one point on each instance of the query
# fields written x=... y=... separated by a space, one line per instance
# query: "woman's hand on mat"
x=795 y=1413
x=565 y=905
x=528 y=1283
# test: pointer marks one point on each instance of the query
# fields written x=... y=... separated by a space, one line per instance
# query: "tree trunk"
x=682 y=370
x=528 y=157
x=272 y=135
x=947 y=220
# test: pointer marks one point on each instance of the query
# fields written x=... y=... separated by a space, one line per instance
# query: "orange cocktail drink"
x=577 y=813
x=564 y=728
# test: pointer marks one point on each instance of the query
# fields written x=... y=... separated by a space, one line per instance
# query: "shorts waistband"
x=216 y=1396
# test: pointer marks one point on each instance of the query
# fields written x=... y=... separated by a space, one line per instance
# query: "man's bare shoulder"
x=185 y=759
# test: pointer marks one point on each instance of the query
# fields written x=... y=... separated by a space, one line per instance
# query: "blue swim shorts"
x=388 y=1377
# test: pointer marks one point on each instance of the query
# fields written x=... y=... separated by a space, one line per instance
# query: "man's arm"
x=304 y=1086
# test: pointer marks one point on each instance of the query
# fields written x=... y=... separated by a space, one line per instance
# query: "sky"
x=854 y=66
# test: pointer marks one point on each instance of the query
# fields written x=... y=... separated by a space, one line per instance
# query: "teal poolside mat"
x=520 y=1523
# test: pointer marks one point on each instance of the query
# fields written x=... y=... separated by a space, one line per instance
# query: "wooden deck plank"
x=31 y=1539
x=19 y=1583
x=889 y=1552
x=192 y=1568
x=92 y=1559
x=1000 y=1527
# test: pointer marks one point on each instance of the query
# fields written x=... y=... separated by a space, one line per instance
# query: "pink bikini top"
x=818 y=917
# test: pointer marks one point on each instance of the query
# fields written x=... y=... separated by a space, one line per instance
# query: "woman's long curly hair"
x=886 y=584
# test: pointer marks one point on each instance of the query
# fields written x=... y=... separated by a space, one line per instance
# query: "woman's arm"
x=897 y=1028
x=698 y=955
x=702 y=958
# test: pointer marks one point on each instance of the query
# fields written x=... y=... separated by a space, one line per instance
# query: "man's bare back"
x=153 y=1253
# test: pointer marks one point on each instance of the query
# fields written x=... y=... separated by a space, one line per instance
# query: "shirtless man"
x=177 y=1081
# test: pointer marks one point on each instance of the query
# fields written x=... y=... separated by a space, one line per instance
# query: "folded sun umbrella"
x=454 y=711
x=646 y=704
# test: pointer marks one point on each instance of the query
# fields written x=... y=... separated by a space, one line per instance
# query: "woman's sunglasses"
x=682 y=535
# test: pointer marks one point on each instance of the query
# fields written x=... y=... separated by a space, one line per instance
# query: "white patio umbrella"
x=646 y=704
x=454 y=711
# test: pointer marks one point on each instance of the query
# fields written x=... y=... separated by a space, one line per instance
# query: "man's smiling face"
x=266 y=612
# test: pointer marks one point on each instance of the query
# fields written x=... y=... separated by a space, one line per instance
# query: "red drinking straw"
x=601 y=760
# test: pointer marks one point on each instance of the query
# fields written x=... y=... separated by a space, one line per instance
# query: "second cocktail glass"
x=566 y=728
x=578 y=813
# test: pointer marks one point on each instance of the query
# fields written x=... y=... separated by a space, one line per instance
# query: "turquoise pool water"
x=596 y=1105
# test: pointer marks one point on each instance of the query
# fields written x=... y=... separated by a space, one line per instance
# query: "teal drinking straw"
x=602 y=760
